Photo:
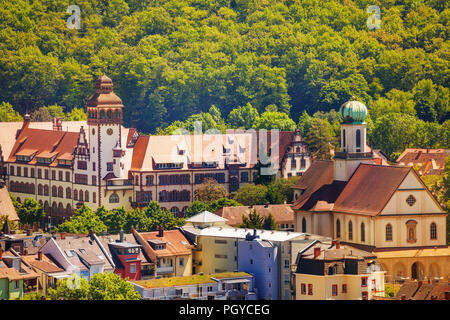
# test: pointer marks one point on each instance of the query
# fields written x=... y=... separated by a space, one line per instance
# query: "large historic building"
x=383 y=209
x=100 y=162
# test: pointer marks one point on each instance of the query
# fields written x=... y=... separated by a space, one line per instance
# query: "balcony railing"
x=119 y=185
x=353 y=155
x=164 y=270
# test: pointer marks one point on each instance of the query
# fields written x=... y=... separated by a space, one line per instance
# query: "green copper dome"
x=353 y=111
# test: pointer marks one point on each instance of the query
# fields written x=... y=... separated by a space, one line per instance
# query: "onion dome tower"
x=354 y=149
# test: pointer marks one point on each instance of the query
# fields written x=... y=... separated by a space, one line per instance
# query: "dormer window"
x=157 y=244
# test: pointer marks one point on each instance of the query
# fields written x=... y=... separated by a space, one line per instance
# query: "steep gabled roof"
x=45 y=143
x=320 y=173
x=366 y=192
x=369 y=189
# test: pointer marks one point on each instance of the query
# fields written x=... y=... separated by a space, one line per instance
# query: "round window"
x=411 y=200
x=109 y=131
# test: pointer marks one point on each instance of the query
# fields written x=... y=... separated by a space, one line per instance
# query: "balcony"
x=196 y=262
x=119 y=184
x=353 y=155
x=164 y=270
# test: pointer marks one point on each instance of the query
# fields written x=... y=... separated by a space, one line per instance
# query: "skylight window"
x=83 y=251
x=70 y=253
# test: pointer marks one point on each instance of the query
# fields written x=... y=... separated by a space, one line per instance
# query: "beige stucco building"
x=99 y=162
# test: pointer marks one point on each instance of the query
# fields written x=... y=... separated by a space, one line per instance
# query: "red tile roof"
x=423 y=156
x=367 y=191
x=46 y=143
x=140 y=148
x=282 y=213
x=176 y=243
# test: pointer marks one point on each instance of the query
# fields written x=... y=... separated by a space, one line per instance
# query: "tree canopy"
x=173 y=59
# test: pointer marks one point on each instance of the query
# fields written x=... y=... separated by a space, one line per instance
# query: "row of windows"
x=18 y=173
x=174 y=195
x=94 y=114
x=21 y=187
x=56 y=209
x=411 y=234
x=57 y=192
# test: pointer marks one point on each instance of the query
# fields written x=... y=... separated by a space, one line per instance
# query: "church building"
x=382 y=209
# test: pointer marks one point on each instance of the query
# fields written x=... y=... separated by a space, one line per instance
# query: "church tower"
x=353 y=140
x=104 y=111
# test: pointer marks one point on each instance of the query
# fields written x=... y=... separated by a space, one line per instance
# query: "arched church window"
x=303 y=224
x=363 y=232
x=433 y=231
x=338 y=228
x=109 y=114
x=388 y=232
x=350 y=230
x=102 y=114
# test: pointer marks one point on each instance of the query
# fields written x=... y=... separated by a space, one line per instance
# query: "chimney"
x=333 y=243
x=316 y=252
x=160 y=232
x=57 y=124
x=266 y=205
x=338 y=244
x=39 y=257
x=25 y=252
x=26 y=123
x=121 y=235
x=63 y=235
x=403 y=297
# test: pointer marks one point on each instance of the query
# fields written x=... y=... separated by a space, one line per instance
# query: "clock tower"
x=104 y=112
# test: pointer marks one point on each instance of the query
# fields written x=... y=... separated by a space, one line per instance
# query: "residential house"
x=16 y=278
x=127 y=255
x=169 y=250
x=221 y=286
x=48 y=270
x=82 y=256
x=425 y=161
x=337 y=272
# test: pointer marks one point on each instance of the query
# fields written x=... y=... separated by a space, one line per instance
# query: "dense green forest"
x=236 y=63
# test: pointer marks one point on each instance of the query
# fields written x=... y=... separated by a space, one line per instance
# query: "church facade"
x=99 y=162
x=383 y=209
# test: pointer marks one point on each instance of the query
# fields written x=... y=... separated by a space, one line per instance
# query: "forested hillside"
x=171 y=59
